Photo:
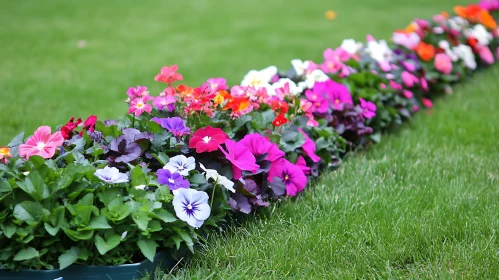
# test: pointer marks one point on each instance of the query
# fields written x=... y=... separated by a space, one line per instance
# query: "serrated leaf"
x=29 y=212
x=69 y=257
x=26 y=254
x=148 y=248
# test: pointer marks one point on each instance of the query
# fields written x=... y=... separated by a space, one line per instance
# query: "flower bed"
x=117 y=191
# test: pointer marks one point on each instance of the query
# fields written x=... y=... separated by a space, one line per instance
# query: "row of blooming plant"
x=108 y=192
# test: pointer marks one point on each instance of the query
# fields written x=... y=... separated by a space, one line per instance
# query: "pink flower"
x=319 y=102
x=382 y=86
x=139 y=91
x=409 y=79
x=408 y=40
x=140 y=105
x=368 y=108
x=290 y=174
x=408 y=94
x=164 y=102
x=424 y=84
x=395 y=85
x=385 y=66
x=486 y=55
x=415 y=108
x=282 y=91
x=303 y=165
x=216 y=84
x=169 y=75
x=240 y=157
x=311 y=121
x=427 y=102
x=443 y=63
x=309 y=147
x=409 y=66
x=42 y=143
x=337 y=93
x=207 y=139
x=259 y=145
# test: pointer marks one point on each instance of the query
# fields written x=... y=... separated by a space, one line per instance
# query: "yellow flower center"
x=337 y=101
x=140 y=105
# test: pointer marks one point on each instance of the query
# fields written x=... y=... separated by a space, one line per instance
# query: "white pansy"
x=300 y=66
x=316 y=76
x=181 y=164
x=446 y=47
x=259 y=79
x=351 y=46
x=465 y=53
x=480 y=33
x=379 y=51
x=111 y=175
x=222 y=180
x=293 y=89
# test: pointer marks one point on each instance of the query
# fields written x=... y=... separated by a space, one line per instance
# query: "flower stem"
x=213 y=196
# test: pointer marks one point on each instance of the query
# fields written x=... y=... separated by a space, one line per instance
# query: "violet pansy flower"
x=191 y=206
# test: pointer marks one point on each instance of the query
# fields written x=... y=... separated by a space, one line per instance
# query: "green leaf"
x=78 y=235
x=141 y=219
x=163 y=215
x=19 y=139
x=8 y=230
x=35 y=186
x=162 y=158
x=69 y=257
x=138 y=177
x=186 y=237
x=26 y=254
x=148 y=248
x=104 y=246
x=4 y=185
x=197 y=179
x=99 y=222
x=29 y=212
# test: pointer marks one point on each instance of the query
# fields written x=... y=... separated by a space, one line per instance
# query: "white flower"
x=438 y=30
x=140 y=187
x=259 y=79
x=480 y=33
x=301 y=86
x=111 y=175
x=458 y=23
x=299 y=66
x=446 y=47
x=293 y=89
x=222 y=180
x=379 y=51
x=466 y=54
x=191 y=206
x=351 y=46
x=316 y=76
x=181 y=164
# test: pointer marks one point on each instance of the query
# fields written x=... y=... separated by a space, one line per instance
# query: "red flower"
x=89 y=123
x=280 y=107
x=279 y=120
x=207 y=139
x=69 y=127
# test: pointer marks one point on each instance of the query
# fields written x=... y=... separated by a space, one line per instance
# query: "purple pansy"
x=174 y=181
x=175 y=125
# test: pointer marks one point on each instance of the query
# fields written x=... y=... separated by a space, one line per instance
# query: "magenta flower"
x=408 y=94
x=42 y=143
x=395 y=86
x=303 y=165
x=333 y=60
x=259 y=145
x=169 y=75
x=139 y=91
x=427 y=102
x=140 y=105
x=166 y=102
x=424 y=84
x=318 y=101
x=175 y=125
x=290 y=174
x=216 y=84
x=240 y=157
x=309 y=147
x=486 y=55
x=443 y=63
x=409 y=66
x=174 y=181
x=368 y=108
x=337 y=93
x=409 y=79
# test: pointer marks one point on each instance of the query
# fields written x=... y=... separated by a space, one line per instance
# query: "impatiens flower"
x=299 y=66
x=241 y=158
x=315 y=76
x=111 y=175
x=4 y=154
x=169 y=75
x=69 y=127
x=408 y=40
x=216 y=84
x=427 y=102
x=415 y=108
x=309 y=147
x=368 y=108
x=174 y=124
x=425 y=51
x=480 y=33
x=448 y=51
x=409 y=66
x=174 y=180
x=443 y=63
x=166 y=102
x=191 y=206
x=89 y=124
x=409 y=79
x=318 y=101
x=284 y=87
x=222 y=180
x=259 y=79
x=395 y=86
x=290 y=174
x=465 y=53
x=337 y=93
x=181 y=164
x=139 y=91
x=279 y=120
x=486 y=55
x=42 y=143
x=303 y=165
x=140 y=105
x=424 y=84
x=378 y=50
x=351 y=46
x=408 y=94
x=207 y=139
x=259 y=145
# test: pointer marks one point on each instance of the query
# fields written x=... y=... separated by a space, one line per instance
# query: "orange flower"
x=476 y=14
x=4 y=154
x=330 y=15
x=425 y=51
x=185 y=91
x=445 y=14
x=487 y=20
x=412 y=27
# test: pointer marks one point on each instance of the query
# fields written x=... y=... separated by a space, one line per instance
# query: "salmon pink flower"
x=443 y=63
x=42 y=143
x=139 y=91
x=4 y=154
x=140 y=105
x=216 y=84
x=368 y=108
x=166 y=102
x=169 y=75
x=309 y=147
x=409 y=79
x=290 y=174
x=207 y=139
x=427 y=102
x=241 y=158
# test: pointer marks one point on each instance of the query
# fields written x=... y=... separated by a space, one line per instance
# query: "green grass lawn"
x=423 y=204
